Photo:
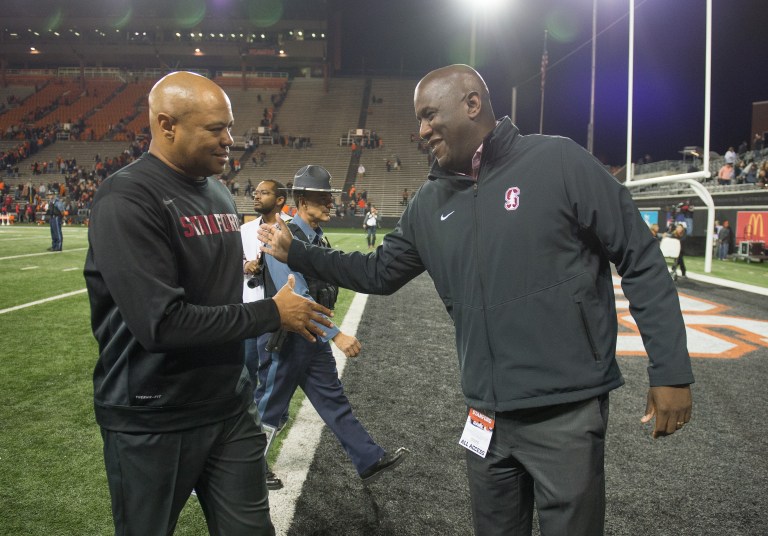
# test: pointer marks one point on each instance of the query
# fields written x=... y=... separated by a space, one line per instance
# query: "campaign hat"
x=313 y=178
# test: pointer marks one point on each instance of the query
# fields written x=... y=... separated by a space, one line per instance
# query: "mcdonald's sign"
x=752 y=226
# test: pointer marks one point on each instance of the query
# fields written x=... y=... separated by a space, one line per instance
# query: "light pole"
x=591 y=126
x=544 y=63
x=631 y=81
x=473 y=38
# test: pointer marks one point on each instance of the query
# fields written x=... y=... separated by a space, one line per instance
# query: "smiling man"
x=164 y=278
x=519 y=233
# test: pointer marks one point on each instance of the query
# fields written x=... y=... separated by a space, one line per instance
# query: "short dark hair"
x=279 y=189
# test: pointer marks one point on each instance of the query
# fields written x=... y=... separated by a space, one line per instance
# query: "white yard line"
x=43 y=253
x=299 y=446
x=41 y=237
x=44 y=300
x=754 y=289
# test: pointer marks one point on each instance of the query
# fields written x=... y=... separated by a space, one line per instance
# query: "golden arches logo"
x=755 y=227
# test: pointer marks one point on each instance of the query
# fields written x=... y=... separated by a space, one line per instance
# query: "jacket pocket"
x=587 y=327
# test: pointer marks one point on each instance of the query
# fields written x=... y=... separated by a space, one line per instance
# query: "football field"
x=707 y=480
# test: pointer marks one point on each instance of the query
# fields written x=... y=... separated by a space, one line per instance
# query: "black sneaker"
x=273 y=481
x=389 y=461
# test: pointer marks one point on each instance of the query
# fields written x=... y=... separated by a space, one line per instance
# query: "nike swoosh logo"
x=444 y=217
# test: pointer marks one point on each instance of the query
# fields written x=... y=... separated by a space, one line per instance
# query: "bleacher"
x=80 y=102
x=324 y=118
x=307 y=111
x=45 y=97
x=18 y=92
x=393 y=119
x=84 y=152
x=129 y=104
x=246 y=107
x=673 y=167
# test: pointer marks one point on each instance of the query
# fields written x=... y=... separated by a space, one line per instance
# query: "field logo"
x=710 y=333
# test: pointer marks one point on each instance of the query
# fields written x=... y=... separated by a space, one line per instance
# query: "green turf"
x=52 y=479
x=753 y=273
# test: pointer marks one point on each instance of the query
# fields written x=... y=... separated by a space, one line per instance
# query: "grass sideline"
x=753 y=273
x=52 y=478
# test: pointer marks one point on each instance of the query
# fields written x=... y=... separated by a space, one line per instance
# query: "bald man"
x=164 y=276
x=519 y=233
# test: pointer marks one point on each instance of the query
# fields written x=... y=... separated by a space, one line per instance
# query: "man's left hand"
x=671 y=405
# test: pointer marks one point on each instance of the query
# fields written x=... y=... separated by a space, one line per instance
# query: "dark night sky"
x=415 y=36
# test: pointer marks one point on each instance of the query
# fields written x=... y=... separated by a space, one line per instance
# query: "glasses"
x=262 y=193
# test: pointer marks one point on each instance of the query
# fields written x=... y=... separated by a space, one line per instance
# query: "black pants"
x=371 y=235
x=679 y=261
x=151 y=477
x=553 y=455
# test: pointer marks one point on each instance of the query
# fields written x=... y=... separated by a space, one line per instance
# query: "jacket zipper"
x=480 y=279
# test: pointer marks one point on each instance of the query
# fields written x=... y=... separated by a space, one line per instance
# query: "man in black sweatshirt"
x=164 y=275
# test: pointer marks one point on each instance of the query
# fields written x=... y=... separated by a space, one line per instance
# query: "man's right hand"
x=277 y=240
x=297 y=313
x=347 y=344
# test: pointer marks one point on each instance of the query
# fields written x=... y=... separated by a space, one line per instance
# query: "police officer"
x=55 y=213
x=296 y=362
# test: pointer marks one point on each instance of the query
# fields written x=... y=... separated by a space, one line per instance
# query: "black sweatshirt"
x=164 y=278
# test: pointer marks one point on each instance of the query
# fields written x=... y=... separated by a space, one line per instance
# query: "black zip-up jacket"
x=521 y=259
x=164 y=277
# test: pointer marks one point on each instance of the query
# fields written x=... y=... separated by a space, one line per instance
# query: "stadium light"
x=476 y=7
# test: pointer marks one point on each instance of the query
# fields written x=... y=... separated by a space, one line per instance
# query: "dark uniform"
x=55 y=213
x=311 y=366
x=295 y=362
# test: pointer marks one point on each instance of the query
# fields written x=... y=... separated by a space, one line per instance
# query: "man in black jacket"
x=519 y=233
x=164 y=278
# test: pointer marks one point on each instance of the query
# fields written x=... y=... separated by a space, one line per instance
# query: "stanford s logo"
x=512 y=198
